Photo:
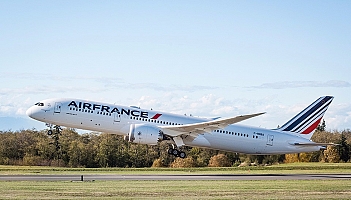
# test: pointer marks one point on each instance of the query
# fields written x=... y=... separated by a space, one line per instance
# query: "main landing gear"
x=176 y=152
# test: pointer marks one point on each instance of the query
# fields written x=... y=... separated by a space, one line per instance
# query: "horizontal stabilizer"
x=314 y=144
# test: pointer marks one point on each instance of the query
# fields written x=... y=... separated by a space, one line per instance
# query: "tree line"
x=94 y=150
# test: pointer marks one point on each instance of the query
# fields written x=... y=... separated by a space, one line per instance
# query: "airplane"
x=150 y=127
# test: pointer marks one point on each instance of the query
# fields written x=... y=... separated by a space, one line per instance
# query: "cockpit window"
x=39 y=104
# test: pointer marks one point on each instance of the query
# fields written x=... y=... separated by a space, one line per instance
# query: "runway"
x=175 y=177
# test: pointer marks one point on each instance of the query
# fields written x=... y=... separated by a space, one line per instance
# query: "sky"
x=205 y=58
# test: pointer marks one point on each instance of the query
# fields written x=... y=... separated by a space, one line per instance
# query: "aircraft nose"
x=29 y=112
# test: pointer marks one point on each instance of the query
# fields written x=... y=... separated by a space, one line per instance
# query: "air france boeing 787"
x=150 y=127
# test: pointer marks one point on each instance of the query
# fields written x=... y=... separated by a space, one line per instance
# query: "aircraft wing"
x=203 y=127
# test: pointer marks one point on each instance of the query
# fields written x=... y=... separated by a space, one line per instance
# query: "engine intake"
x=144 y=134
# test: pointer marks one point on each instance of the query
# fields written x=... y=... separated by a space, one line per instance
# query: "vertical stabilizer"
x=307 y=120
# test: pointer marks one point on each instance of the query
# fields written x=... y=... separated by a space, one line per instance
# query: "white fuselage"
x=115 y=119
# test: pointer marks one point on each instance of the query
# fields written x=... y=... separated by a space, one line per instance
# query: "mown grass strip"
x=272 y=189
x=315 y=168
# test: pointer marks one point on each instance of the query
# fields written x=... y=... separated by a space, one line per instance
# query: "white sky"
x=206 y=58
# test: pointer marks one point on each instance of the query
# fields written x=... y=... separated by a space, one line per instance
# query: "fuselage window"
x=39 y=104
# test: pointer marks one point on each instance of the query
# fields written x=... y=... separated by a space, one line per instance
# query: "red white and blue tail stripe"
x=307 y=121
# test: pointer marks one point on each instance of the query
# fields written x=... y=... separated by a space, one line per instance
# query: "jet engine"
x=144 y=134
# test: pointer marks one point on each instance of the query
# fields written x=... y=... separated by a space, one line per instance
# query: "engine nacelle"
x=144 y=134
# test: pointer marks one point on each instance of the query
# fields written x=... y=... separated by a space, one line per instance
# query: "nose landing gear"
x=53 y=129
x=55 y=132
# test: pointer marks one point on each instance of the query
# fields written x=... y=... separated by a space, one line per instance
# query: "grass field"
x=302 y=189
x=293 y=168
x=264 y=189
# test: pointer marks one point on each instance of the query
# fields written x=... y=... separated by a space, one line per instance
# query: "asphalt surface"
x=175 y=177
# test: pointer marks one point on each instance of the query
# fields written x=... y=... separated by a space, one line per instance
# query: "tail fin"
x=307 y=120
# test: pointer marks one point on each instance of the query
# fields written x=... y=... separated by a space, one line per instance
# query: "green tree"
x=343 y=148
x=321 y=126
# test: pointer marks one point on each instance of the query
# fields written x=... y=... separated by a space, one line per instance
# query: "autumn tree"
x=219 y=160
x=331 y=154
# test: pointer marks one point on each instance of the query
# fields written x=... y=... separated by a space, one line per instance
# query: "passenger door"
x=270 y=140
x=57 y=108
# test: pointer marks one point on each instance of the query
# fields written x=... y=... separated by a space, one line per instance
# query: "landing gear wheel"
x=182 y=154
x=170 y=151
x=49 y=132
x=175 y=152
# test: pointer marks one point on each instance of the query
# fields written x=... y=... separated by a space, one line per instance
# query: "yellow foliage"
x=158 y=163
x=219 y=160
x=30 y=160
x=291 y=158
x=180 y=163
x=331 y=155
x=305 y=157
